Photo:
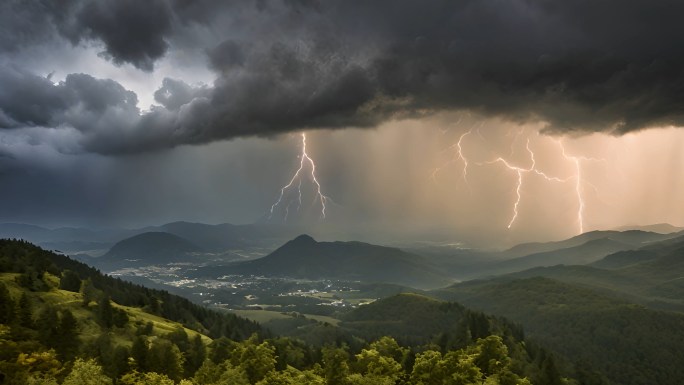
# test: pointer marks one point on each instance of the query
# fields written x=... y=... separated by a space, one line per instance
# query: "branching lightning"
x=304 y=161
x=521 y=172
x=458 y=156
x=579 y=189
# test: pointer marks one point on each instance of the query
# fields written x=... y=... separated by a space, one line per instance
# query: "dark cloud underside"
x=578 y=65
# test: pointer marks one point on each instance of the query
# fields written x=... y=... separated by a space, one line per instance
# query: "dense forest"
x=63 y=322
x=626 y=342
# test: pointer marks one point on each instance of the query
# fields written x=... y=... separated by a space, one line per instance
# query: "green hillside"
x=588 y=252
x=652 y=275
x=628 y=343
x=416 y=319
x=32 y=263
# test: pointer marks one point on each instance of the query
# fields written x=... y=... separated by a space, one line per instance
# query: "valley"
x=567 y=296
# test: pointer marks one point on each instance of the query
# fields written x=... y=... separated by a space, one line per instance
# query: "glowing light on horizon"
x=304 y=159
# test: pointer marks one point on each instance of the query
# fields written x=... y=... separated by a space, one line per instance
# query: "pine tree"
x=68 y=342
x=47 y=324
x=195 y=356
x=70 y=281
x=164 y=357
x=25 y=314
x=7 y=306
x=88 y=291
x=105 y=312
x=139 y=352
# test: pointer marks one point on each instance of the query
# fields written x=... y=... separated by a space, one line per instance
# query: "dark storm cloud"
x=133 y=31
x=80 y=101
x=176 y=93
x=579 y=65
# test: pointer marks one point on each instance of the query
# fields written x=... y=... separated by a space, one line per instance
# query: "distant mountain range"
x=579 y=250
x=210 y=237
x=652 y=275
x=305 y=258
x=663 y=228
x=629 y=237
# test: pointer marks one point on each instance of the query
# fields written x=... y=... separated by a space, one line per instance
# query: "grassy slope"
x=88 y=328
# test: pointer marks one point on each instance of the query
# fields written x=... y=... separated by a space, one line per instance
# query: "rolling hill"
x=634 y=238
x=148 y=249
x=303 y=257
x=663 y=228
x=652 y=275
x=628 y=343
x=588 y=252
x=613 y=308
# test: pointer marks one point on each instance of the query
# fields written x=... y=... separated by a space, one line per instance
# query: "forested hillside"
x=628 y=343
x=64 y=323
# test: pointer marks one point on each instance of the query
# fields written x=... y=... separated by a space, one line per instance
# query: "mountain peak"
x=304 y=239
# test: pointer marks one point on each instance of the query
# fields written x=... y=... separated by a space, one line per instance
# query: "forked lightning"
x=304 y=161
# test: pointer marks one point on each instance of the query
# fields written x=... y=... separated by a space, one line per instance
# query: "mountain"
x=303 y=257
x=634 y=238
x=624 y=259
x=662 y=228
x=212 y=238
x=147 y=249
x=627 y=306
x=40 y=235
x=588 y=252
x=649 y=275
x=652 y=274
x=228 y=236
x=628 y=343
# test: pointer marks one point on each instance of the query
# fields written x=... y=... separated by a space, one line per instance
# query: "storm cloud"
x=281 y=66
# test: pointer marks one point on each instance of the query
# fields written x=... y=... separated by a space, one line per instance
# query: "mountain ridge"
x=304 y=257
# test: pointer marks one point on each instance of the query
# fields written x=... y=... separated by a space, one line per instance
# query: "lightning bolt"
x=579 y=182
x=458 y=156
x=304 y=160
x=521 y=172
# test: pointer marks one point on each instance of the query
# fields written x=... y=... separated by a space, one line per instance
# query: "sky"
x=485 y=122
